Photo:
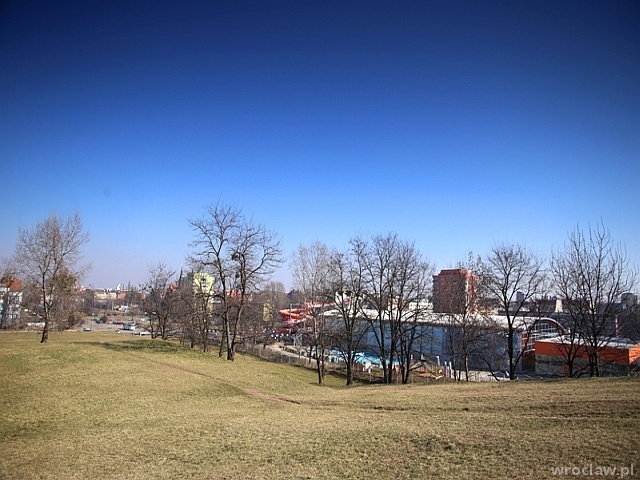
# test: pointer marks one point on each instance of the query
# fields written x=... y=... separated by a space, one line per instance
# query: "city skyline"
x=456 y=125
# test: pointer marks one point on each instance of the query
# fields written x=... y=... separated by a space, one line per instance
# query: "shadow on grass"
x=149 y=346
x=164 y=347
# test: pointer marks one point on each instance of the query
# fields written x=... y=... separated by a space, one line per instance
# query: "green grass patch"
x=106 y=406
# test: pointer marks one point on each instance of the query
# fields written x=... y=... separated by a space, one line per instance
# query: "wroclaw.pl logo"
x=594 y=471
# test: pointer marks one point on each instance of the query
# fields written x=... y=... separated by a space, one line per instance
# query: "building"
x=10 y=303
x=617 y=357
x=454 y=291
x=105 y=299
x=202 y=283
x=434 y=333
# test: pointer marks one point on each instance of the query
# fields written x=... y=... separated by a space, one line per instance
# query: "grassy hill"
x=106 y=406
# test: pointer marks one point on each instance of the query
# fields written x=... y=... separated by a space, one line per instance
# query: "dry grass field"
x=107 y=406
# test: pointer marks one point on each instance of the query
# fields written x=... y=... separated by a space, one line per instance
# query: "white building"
x=10 y=303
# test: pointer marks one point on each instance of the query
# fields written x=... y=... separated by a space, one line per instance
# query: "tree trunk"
x=231 y=352
x=320 y=369
x=319 y=364
x=595 y=363
x=386 y=371
x=512 y=367
x=406 y=371
x=224 y=340
x=204 y=336
x=45 y=332
x=466 y=367
x=231 y=341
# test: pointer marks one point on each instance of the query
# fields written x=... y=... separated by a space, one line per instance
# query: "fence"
x=369 y=374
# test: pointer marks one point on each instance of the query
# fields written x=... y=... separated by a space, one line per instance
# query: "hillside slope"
x=106 y=406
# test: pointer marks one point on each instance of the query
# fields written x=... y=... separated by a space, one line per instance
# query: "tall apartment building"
x=454 y=291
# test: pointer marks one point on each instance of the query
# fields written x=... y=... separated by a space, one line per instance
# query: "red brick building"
x=454 y=291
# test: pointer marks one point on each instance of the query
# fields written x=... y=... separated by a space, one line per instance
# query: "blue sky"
x=455 y=124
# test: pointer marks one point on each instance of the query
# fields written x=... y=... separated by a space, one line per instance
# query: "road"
x=103 y=327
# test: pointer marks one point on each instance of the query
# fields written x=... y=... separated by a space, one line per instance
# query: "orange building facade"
x=619 y=357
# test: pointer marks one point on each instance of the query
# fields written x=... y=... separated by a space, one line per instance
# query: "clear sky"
x=455 y=124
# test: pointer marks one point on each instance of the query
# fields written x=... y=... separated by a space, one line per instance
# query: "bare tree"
x=275 y=299
x=186 y=311
x=161 y=299
x=514 y=276
x=197 y=306
x=346 y=278
x=630 y=317
x=457 y=297
x=64 y=310
x=590 y=275
x=397 y=280
x=240 y=255
x=47 y=254
x=489 y=344
x=311 y=274
x=567 y=285
x=414 y=286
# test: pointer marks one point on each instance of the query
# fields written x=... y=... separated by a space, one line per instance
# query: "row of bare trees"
x=380 y=289
x=386 y=282
x=589 y=274
x=379 y=286
x=187 y=306
x=231 y=262
x=232 y=257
